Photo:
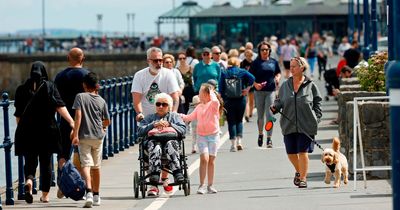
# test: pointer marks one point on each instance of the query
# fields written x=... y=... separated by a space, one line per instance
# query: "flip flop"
x=43 y=201
x=28 y=194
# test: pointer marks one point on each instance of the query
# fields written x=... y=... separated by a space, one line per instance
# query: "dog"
x=336 y=164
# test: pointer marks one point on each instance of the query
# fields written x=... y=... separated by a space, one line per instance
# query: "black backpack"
x=233 y=87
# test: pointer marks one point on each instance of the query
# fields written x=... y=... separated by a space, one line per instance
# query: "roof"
x=184 y=11
x=295 y=8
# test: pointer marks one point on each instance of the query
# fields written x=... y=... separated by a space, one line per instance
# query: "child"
x=207 y=114
x=193 y=124
x=91 y=121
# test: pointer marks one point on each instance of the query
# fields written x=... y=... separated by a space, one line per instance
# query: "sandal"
x=28 y=194
x=302 y=184
x=296 y=180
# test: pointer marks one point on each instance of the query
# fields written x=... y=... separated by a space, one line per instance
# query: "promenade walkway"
x=255 y=178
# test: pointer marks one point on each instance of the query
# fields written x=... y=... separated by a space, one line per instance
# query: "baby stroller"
x=141 y=178
x=331 y=82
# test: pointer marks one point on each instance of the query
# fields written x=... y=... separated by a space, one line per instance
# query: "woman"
x=37 y=134
x=267 y=73
x=163 y=118
x=245 y=64
x=186 y=72
x=300 y=102
x=311 y=56
x=169 y=63
x=235 y=107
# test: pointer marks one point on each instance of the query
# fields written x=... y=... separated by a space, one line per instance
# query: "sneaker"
x=211 y=190
x=96 y=200
x=269 y=142
x=233 y=149
x=202 y=189
x=302 y=184
x=59 y=194
x=296 y=180
x=168 y=189
x=260 y=140
x=153 y=191
x=178 y=176
x=89 y=200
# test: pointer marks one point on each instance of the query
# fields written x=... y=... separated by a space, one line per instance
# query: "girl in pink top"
x=207 y=114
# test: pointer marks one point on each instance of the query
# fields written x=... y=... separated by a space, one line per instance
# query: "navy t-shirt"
x=265 y=71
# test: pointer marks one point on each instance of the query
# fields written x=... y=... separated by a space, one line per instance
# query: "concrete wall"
x=14 y=69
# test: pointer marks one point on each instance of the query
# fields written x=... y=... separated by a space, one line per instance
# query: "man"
x=205 y=70
x=216 y=56
x=352 y=55
x=69 y=84
x=248 y=46
x=149 y=82
x=343 y=46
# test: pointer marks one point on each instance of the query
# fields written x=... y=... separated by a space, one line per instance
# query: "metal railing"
x=121 y=133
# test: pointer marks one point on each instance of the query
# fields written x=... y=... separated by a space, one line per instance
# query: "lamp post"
x=100 y=24
x=133 y=24
x=374 y=23
x=43 y=19
x=366 y=29
x=128 y=24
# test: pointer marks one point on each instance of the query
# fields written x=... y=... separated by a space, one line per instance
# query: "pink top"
x=207 y=116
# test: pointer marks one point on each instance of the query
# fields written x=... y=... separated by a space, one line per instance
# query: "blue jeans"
x=235 y=109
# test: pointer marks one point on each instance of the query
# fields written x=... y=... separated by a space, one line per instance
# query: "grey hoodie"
x=302 y=108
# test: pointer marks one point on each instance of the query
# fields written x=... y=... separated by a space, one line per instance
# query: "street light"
x=43 y=18
x=127 y=18
x=133 y=24
x=100 y=24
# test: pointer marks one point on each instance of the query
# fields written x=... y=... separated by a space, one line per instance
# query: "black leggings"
x=31 y=163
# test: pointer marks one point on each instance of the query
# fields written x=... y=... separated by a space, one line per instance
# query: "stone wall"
x=375 y=133
x=14 y=69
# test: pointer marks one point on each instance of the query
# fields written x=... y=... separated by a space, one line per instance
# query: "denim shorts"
x=298 y=143
x=208 y=144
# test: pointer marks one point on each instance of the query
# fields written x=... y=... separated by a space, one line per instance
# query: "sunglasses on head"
x=157 y=60
x=161 y=104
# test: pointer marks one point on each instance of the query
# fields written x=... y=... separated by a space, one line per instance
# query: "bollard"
x=7 y=151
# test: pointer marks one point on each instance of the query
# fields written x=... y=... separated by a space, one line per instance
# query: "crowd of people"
x=202 y=90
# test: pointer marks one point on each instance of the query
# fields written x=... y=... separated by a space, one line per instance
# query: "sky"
x=82 y=14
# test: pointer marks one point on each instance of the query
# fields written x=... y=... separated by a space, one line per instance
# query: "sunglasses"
x=182 y=58
x=157 y=60
x=216 y=53
x=161 y=104
x=206 y=53
x=264 y=49
x=167 y=61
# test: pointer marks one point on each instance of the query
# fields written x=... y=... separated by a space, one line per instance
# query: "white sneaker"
x=233 y=148
x=89 y=200
x=202 y=189
x=211 y=189
x=96 y=200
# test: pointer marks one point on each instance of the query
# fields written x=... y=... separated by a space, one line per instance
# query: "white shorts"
x=90 y=152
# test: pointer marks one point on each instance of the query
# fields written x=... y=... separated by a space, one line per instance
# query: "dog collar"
x=332 y=167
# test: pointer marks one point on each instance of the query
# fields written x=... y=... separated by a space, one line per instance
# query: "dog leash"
x=298 y=127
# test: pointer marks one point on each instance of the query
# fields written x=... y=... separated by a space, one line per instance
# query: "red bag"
x=164 y=134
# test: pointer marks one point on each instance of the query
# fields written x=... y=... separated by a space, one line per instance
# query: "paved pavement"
x=255 y=178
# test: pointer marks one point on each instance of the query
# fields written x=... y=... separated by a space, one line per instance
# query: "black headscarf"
x=38 y=72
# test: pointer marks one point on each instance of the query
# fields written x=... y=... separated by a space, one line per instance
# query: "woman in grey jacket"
x=300 y=101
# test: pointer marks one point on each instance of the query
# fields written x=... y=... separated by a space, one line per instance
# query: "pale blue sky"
x=81 y=14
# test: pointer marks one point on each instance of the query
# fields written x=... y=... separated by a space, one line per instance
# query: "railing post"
x=115 y=115
x=105 y=142
x=7 y=151
x=21 y=178
x=132 y=123
x=121 y=106
x=110 y=140
x=126 y=111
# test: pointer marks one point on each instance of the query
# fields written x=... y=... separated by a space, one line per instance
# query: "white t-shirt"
x=149 y=86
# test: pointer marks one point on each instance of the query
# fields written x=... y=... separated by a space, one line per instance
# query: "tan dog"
x=336 y=163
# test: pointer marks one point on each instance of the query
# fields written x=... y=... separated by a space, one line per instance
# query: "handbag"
x=163 y=134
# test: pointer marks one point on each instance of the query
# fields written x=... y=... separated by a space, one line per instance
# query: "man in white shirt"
x=216 y=56
x=150 y=81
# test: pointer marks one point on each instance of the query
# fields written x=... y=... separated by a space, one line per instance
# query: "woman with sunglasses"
x=164 y=117
x=169 y=63
x=300 y=103
x=267 y=73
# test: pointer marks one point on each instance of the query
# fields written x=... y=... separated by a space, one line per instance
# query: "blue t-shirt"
x=265 y=71
x=203 y=72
